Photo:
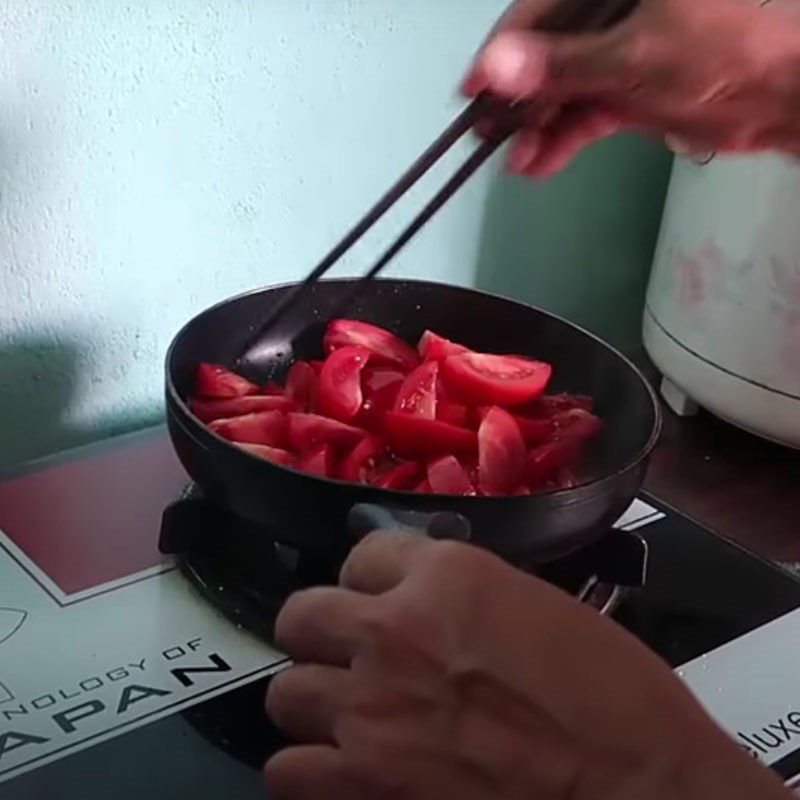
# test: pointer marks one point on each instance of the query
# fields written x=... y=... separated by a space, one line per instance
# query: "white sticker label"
x=751 y=687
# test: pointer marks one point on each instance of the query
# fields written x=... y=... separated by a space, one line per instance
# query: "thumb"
x=519 y=65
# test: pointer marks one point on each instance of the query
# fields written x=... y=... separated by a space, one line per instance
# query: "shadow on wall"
x=582 y=244
x=38 y=382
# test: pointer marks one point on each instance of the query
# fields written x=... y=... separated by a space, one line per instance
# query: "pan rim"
x=555 y=494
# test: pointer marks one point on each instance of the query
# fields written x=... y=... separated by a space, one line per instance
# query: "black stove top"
x=701 y=592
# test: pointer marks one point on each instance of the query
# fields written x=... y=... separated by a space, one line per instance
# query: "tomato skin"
x=386 y=348
x=268 y=428
x=319 y=461
x=417 y=395
x=218 y=382
x=433 y=347
x=302 y=385
x=209 y=410
x=306 y=431
x=453 y=414
x=401 y=477
x=415 y=437
x=447 y=476
x=501 y=453
x=482 y=379
x=577 y=424
x=275 y=455
x=340 y=394
x=361 y=464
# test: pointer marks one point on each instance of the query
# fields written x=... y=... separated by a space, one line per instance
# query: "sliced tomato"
x=447 y=476
x=273 y=454
x=400 y=477
x=340 y=394
x=302 y=385
x=521 y=491
x=423 y=488
x=317 y=366
x=268 y=428
x=375 y=407
x=577 y=424
x=536 y=431
x=373 y=380
x=453 y=414
x=547 y=460
x=361 y=465
x=306 y=431
x=209 y=410
x=385 y=346
x=214 y=380
x=433 y=347
x=411 y=436
x=479 y=378
x=501 y=453
x=417 y=395
x=319 y=461
x=271 y=389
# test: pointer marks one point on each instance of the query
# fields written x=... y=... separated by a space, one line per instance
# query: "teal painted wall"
x=158 y=156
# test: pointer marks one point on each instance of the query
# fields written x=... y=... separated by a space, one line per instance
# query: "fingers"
x=381 y=561
x=305 y=701
x=520 y=16
x=560 y=142
x=308 y=773
x=521 y=65
x=322 y=625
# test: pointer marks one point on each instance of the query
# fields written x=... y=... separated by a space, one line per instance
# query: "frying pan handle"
x=365 y=519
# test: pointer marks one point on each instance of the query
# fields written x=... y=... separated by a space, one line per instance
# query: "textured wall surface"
x=159 y=155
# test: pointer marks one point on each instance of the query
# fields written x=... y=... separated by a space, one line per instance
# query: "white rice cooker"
x=722 y=317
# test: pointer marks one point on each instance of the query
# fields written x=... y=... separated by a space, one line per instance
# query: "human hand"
x=719 y=75
x=438 y=671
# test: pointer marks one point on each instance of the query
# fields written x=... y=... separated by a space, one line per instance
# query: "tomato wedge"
x=482 y=379
x=401 y=477
x=210 y=410
x=308 y=430
x=340 y=394
x=411 y=436
x=501 y=453
x=214 y=380
x=373 y=380
x=453 y=414
x=418 y=393
x=577 y=424
x=447 y=476
x=265 y=427
x=319 y=461
x=433 y=347
x=385 y=347
x=423 y=488
x=361 y=464
x=375 y=407
x=547 y=460
x=302 y=385
x=536 y=431
x=275 y=455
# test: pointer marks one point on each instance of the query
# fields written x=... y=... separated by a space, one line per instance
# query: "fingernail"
x=512 y=65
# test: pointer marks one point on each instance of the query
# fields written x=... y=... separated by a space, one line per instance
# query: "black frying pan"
x=317 y=515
